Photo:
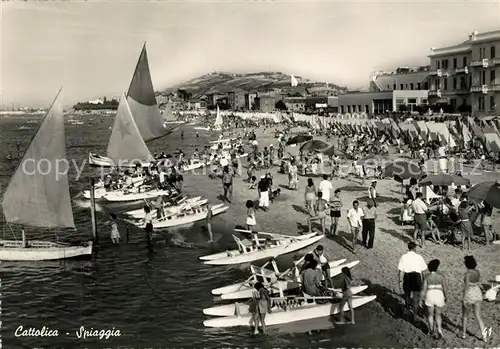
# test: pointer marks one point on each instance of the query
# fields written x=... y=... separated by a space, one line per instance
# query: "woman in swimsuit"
x=465 y=224
x=472 y=298
x=434 y=294
x=310 y=196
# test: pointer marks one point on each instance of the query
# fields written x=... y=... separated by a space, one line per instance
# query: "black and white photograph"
x=243 y=173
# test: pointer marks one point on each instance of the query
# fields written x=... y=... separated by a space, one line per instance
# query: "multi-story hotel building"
x=467 y=76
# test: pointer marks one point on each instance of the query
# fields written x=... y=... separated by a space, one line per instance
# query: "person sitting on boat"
x=323 y=264
x=107 y=182
x=311 y=279
x=260 y=306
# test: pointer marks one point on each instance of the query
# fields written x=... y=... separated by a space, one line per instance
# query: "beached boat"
x=258 y=249
x=146 y=117
x=268 y=275
x=169 y=208
x=202 y=128
x=217 y=124
x=134 y=195
x=185 y=217
x=36 y=200
x=104 y=161
x=243 y=308
x=276 y=285
x=100 y=191
x=291 y=309
x=192 y=164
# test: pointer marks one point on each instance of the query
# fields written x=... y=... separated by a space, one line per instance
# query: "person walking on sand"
x=310 y=196
x=319 y=213
x=115 y=233
x=326 y=187
x=369 y=217
x=250 y=221
x=411 y=267
x=259 y=307
x=372 y=193
x=434 y=297
x=227 y=183
x=263 y=188
x=420 y=210
x=355 y=216
x=472 y=298
x=335 y=212
x=346 y=295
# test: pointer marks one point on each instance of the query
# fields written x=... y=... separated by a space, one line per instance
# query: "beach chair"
x=429 y=196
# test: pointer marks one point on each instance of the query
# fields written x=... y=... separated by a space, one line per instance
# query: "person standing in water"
x=182 y=134
x=148 y=221
x=346 y=295
x=115 y=233
x=260 y=306
x=208 y=222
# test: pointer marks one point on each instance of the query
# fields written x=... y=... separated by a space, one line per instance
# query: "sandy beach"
x=378 y=267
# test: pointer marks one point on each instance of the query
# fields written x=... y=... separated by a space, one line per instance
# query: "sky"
x=91 y=47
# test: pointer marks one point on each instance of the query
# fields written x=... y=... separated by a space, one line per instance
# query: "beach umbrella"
x=373 y=161
x=402 y=170
x=314 y=145
x=299 y=139
x=488 y=192
x=333 y=151
x=444 y=179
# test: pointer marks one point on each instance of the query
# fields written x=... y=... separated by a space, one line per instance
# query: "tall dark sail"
x=142 y=102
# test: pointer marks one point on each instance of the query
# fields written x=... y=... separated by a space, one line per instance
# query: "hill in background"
x=221 y=82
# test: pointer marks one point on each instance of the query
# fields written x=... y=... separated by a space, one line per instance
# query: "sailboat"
x=217 y=124
x=125 y=149
x=168 y=116
x=38 y=195
x=142 y=104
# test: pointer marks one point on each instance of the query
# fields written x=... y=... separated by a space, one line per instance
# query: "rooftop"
x=466 y=46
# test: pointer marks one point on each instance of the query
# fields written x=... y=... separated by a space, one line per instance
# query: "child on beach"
x=260 y=306
x=346 y=295
x=250 y=221
x=115 y=233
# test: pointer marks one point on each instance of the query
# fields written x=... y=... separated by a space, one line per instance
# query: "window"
x=411 y=86
x=455 y=63
x=342 y=109
x=419 y=86
x=454 y=83
x=406 y=86
x=394 y=86
x=464 y=61
x=492 y=103
x=388 y=87
x=438 y=84
x=470 y=81
x=464 y=101
x=481 y=103
x=401 y=86
x=492 y=77
x=453 y=103
x=445 y=84
x=359 y=108
x=426 y=85
x=412 y=101
x=492 y=52
x=367 y=109
x=482 y=52
x=423 y=100
x=462 y=83
x=482 y=78
x=438 y=64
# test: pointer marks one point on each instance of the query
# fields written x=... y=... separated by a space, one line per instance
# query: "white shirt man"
x=325 y=187
x=411 y=267
x=419 y=206
x=355 y=215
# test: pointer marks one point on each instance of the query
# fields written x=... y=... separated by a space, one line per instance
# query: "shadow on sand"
x=342 y=239
x=397 y=234
x=300 y=209
x=380 y=199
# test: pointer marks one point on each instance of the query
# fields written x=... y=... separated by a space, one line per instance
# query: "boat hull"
x=187 y=219
x=240 y=286
x=200 y=128
x=235 y=257
x=243 y=308
x=122 y=197
x=104 y=161
x=42 y=251
x=139 y=213
x=280 y=316
x=246 y=290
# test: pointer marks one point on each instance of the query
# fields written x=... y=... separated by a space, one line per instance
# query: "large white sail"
x=218 y=119
x=38 y=192
x=126 y=144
